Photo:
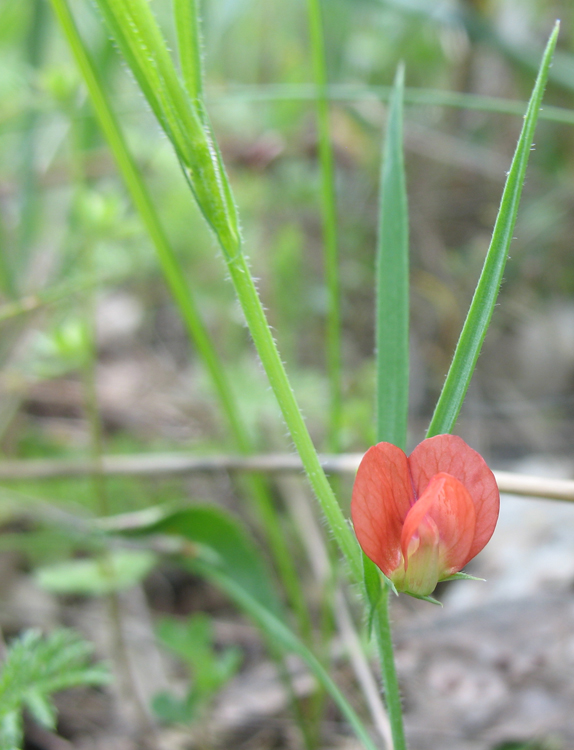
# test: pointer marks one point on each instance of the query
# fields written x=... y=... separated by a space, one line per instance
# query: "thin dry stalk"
x=170 y=464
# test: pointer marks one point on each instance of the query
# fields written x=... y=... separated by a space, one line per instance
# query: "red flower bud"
x=421 y=519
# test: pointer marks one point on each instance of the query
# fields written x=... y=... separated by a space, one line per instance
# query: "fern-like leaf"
x=36 y=667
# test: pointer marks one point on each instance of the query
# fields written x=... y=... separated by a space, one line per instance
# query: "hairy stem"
x=383 y=634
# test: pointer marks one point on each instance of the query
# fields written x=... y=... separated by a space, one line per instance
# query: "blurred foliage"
x=67 y=226
x=65 y=219
x=34 y=668
x=95 y=577
x=68 y=232
x=61 y=192
x=551 y=744
x=192 y=642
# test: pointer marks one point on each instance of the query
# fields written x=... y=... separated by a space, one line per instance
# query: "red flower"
x=421 y=519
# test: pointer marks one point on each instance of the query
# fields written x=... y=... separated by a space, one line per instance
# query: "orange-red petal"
x=447 y=503
x=423 y=518
x=450 y=454
x=382 y=497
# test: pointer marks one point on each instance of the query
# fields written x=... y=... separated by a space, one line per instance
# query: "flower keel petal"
x=437 y=534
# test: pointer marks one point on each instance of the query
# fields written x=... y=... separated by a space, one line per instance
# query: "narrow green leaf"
x=346 y=92
x=41 y=708
x=373 y=590
x=482 y=305
x=154 y=73
x=392 y=366
x=189 y=46
x=429 y=599
x=11 y=730
x=392 y=325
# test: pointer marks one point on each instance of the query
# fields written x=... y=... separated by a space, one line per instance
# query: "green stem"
x=329 y=216
x=140 y=40
x=388 y=670
x=175 y=278
x=269 y=355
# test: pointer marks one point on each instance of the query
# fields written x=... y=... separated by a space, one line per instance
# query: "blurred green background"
x=93 y=354
x=73 y=250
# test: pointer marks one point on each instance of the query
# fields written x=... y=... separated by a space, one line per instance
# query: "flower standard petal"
x=450 y=454
x=382 y=497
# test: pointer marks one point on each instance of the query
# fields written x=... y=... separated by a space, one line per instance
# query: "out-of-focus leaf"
x=35 y=667
x=94 y=577
x=192 y=641
x=41 y=708
x=172 y=710
x=224 y=542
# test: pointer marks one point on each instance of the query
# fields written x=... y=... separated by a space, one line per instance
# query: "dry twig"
x=169 y=464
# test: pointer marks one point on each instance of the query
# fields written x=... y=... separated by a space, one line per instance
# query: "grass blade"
x=392 y=324
x=329 y=215
x=482 y=305
x=345 y=92
x=189 y=46
x=30 y=198
x=392 y=387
